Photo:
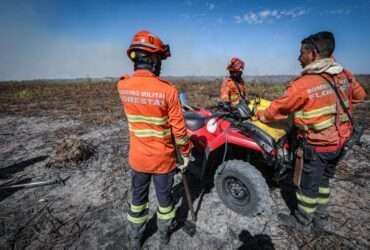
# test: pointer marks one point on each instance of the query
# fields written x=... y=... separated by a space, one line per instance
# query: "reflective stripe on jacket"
x=229 y=91
x=313 y=104
x=155 y=122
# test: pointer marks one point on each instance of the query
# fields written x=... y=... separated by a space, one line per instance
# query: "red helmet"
x=147 y=42
x=235 y=64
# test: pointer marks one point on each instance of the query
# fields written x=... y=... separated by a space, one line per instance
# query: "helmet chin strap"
x=143 y=66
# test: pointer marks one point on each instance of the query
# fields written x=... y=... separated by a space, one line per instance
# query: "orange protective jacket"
x=314 y=106
x=156 y=122
x=231 y=91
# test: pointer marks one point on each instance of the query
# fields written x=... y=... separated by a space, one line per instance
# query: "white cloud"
x=340 y=12
x=238 y=19
x=210 y=6
x=265 y=13
x=269 y=15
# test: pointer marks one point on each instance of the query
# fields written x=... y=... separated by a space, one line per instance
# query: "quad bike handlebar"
x=240 y=112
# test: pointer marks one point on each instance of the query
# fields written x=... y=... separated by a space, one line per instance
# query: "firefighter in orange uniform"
x=323 y=125
x=233 y=88
x=157 y=128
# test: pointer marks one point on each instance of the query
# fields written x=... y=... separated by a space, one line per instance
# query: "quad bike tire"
x=242 y=188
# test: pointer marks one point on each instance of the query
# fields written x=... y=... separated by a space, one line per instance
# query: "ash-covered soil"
x=77 y=133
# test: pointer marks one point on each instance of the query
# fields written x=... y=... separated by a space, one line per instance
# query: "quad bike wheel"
x=242 y=188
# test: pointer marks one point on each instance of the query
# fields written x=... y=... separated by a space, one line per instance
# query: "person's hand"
x=260 y=116
x=185 y=163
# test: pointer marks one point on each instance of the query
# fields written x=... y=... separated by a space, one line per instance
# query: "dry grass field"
x=76 y=130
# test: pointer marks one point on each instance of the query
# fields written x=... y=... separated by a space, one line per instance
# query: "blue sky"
x=67 y=39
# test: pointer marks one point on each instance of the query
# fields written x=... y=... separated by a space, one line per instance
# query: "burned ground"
x=76 y=132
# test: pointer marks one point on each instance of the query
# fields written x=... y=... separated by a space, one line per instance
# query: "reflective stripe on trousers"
x=314 y=189
x=166 y=213
x=306 y=203
x=138 y=214
x=324 y=193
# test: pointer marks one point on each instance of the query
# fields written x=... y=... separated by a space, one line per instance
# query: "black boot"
x=298 y=220
x=135 y=234
x=164 y=229
x=321 y=218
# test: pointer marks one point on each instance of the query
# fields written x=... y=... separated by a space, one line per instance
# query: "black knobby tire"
x=242 y=188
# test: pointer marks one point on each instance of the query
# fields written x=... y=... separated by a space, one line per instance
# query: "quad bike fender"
x=218 y=142
x=235 y=138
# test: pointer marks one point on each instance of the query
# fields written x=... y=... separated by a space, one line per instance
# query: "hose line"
x=222 y=166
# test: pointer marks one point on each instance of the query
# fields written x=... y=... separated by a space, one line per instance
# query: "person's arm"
x=224 y=92
x=244 y=90
x=279 y=109
x=358 y=92
x=177 y=123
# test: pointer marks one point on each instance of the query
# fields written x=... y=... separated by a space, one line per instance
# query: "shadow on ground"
x=259 y=241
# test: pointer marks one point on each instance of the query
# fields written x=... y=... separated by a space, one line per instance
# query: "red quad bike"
x=242 y=153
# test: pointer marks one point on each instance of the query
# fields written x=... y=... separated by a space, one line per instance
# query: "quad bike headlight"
x=212 y=125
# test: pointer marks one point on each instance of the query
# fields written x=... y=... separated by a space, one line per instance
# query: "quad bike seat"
x=194 y=121
x=277 y=130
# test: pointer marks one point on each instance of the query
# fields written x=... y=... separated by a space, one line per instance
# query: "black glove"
x=226 y=106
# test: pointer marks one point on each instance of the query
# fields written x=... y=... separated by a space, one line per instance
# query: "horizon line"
x=164 y=76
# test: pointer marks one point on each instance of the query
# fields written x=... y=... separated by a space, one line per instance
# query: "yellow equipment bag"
x=275 y=129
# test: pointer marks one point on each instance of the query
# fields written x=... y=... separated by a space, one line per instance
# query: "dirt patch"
x=71 y=152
